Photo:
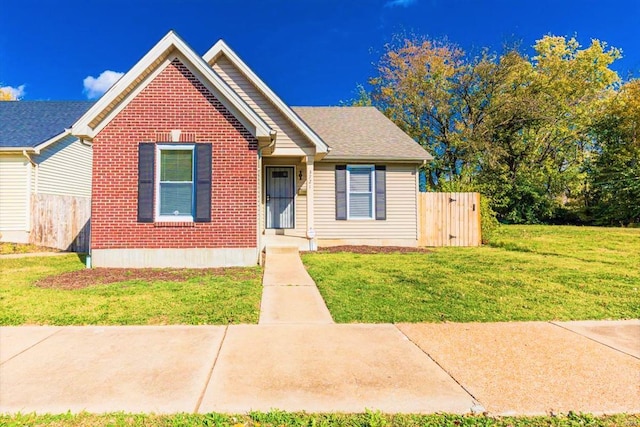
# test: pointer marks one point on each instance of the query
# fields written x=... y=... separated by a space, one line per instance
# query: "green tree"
x=438 y=97
x=538 y=132
x=513 y=127
x=615 y=172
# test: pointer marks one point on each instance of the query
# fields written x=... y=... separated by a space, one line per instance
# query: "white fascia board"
x=41 y=146
x=373 y=159
x=17 y=149
x=169 y=42
x=222 y=48
x=81 y=127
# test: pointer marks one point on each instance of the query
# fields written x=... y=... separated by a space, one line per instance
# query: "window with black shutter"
x=174 y=182
x=361 y=192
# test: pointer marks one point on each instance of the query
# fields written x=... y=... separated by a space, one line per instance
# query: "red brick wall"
x=175 y=99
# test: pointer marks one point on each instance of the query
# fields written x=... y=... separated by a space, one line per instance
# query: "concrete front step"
x=281 y=249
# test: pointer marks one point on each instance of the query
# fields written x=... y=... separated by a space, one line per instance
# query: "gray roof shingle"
x=30 y=123
x=360 y=133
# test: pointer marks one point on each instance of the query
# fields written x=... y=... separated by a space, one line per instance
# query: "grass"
x=278 y=418
x=207 y=299
x=525 y=273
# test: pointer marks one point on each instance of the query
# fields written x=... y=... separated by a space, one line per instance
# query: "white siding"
x=14 y=192
x=401 y=222
x=64 y=168
x=289 y=137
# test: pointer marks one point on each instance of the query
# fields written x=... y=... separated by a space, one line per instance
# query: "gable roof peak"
x=171 y=44
x=221 y=48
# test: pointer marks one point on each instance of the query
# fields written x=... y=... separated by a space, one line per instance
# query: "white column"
x=311 y=233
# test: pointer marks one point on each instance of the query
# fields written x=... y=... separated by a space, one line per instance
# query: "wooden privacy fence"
x=60 y=222
x=449 y=219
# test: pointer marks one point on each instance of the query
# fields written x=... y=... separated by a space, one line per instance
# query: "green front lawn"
x=280 y=419
x=229 y=296
x=526 y=273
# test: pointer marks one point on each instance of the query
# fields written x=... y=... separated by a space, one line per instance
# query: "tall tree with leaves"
x=513 y=127
x=615 y=175
x=539 y=126
x=439 y=98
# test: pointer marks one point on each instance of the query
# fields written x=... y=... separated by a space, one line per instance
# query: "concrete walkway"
x=501 y=368
x=297 y=359
x=289 y=294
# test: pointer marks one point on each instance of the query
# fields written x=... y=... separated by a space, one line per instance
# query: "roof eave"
x=17 y=149
x=40 y=146
x=343 y=158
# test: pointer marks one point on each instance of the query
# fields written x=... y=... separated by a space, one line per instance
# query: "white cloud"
x=400 y=3
x=95 y=87
x=14 y=92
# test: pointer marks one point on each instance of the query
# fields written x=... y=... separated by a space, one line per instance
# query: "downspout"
x=87 y=260
x=29 y=183
x=272 y=135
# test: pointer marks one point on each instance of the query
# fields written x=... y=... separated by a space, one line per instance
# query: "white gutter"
x=19 y=150
x=29 y=184
x=375 y=159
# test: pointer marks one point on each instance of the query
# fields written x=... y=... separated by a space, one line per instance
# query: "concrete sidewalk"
x=503 y=368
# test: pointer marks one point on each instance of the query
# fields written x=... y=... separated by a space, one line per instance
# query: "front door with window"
x=280 y=197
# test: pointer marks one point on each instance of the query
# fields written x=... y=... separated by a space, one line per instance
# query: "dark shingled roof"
x=361 y=133
x=30 y=123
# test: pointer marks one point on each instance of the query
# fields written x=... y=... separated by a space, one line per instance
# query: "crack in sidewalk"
x=210 y=375
x=477 y=407
x=31 y=346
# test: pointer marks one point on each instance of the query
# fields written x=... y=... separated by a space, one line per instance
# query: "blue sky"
x=310 y=52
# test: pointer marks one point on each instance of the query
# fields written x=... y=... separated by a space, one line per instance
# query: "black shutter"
x=341 y=192
x=203 y=183
x=146 y=157
x=381 y=192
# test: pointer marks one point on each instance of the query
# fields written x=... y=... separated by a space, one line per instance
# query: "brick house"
x=197 y=163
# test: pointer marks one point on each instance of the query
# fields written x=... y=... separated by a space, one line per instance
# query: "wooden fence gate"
x=61 y=222
x=449 y=219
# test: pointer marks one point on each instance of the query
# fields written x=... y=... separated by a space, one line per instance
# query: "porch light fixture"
x=300 y=175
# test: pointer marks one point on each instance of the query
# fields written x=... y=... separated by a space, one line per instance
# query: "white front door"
x=280 y=197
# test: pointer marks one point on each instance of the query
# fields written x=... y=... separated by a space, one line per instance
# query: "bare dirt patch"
x=102 y=276
x=361 y=249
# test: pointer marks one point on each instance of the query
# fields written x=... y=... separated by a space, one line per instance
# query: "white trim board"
x=170 y=46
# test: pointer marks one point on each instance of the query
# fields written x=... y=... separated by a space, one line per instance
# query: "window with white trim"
x=175 y=182
x=360 y=192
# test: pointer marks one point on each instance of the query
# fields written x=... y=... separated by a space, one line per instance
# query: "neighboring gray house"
x=42 y=166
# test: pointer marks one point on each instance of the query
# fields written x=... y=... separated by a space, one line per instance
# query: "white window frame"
x=174 y=218
x=372 y=177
